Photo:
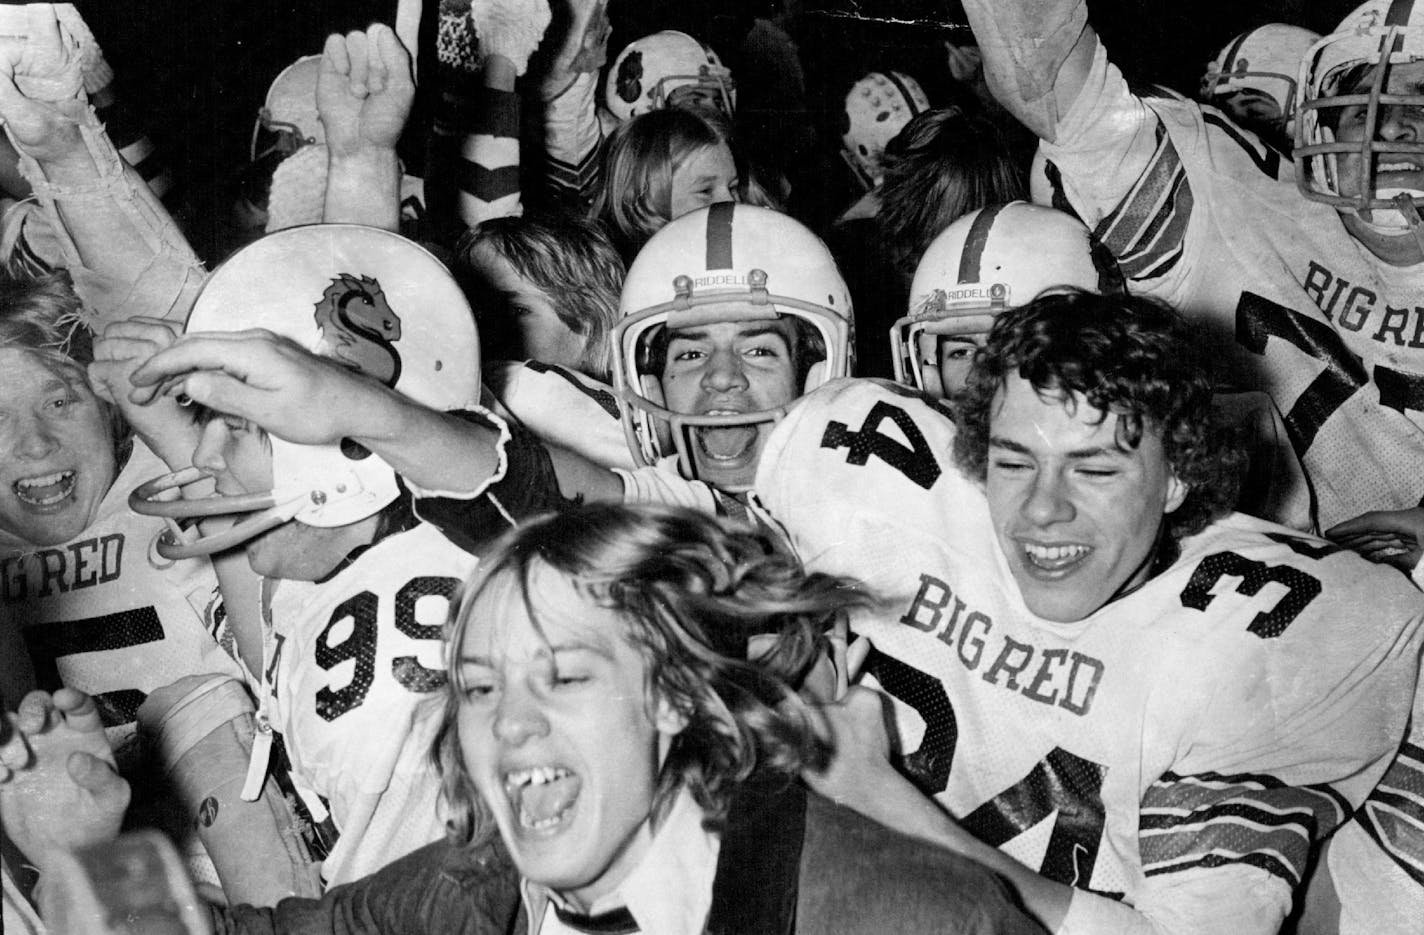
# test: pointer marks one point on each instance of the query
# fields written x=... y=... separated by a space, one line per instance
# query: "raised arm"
x=308 y=399
x=1037 y=55
x=123 y=249
x=363 y=95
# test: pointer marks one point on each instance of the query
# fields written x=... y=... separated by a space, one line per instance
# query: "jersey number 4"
x=359 y=646
x=1062 y=786
x=916 y=461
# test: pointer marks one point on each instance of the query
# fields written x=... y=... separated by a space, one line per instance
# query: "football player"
x=618 y=751
x=1309 y=292
x=729 y=314
x=1143 y=712
x=1253 y=79
x=356 y=586
x=1005 y=255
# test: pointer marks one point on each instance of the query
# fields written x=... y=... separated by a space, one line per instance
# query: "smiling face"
x=1076 y=512
x=58 y=451
x=1388 y=173
x=728 y=368
x=707 y=177
x=534 y=329
x=559 y=734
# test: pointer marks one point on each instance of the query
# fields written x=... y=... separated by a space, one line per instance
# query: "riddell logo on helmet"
x=720 y=279
x=359 y=327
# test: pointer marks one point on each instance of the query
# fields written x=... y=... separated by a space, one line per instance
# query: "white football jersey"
x=1297 y=307
x=353 y=669
x=1375 y=864
x=107 y=615
x=562 y=407
x=1230 y=711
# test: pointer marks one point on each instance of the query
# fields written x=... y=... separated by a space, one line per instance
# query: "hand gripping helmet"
x=1349 y=69
x=365 y=297
x=650 y=69
x=876 y=108
x=1265 y=59
x=288 y=119
x=725 y=262
x=990 y=260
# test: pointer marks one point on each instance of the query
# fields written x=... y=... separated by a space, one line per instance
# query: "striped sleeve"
x=1118 y=168
x=1393 y=815
x=573 y=144
x=1213 y=820
x=1147 y=230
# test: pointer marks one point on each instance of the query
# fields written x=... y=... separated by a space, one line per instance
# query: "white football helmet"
x=1349 y=69
x=369 y=299
x=876 y=108
x=990 y=260
x=288 y=119
x=650 y=69
x=725 y=262
x=1265 y=59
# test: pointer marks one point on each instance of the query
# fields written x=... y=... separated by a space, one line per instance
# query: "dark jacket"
x=790 y=862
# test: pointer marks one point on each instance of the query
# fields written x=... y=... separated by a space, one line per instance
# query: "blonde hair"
x=692 y=592
x=44 y=318
x=644 y=154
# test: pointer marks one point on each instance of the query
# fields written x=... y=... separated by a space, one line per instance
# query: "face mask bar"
x=643 y=416
x=154 y=498
x=718 y=80
x=1318 y=178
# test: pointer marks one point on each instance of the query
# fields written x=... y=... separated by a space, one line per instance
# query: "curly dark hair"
x=943 y=164
x=1129 y=355
x=693 y=593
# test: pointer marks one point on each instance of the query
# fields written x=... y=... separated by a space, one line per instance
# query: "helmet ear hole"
x=354 y=450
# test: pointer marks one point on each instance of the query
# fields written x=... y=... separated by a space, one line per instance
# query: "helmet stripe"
x=1398 y=14
x=1228 y=61
x=904 y=92
x=719 y=235
x=974 y=243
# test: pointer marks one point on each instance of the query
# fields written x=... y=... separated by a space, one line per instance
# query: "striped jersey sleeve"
x=1211 y=820
x=573 y=144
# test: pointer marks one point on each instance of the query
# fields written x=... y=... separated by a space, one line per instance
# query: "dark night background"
x=199 y=71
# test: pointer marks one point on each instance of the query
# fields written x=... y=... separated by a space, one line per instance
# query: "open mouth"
x=542 y=797
x=727 y=443
x=1054 y=560
x=46 y=489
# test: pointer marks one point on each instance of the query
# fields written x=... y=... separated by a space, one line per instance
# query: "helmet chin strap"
x=1407 y=209
x=1402 y=219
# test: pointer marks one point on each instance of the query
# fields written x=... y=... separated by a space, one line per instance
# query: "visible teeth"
x=534 y=776
x=45 y=490
x=1397 y=167
x=529 y=821
x=723 y=412
x=1054 y=553
x=45 y=480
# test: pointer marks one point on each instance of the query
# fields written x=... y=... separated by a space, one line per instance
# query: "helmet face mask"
x=371 y=301
x=755 y=270
x=1359 y=87
x=1259 y=69
x=988 y=261
x=668 y=69
x=288 y=118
